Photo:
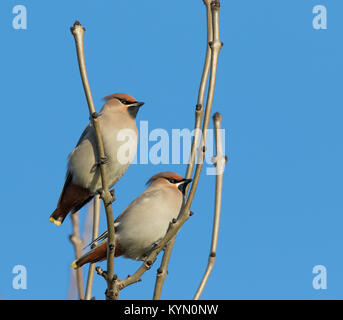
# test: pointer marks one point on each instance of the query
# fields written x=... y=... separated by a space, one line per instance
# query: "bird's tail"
x=58 y=216
x=95 y=255
x=72 y=199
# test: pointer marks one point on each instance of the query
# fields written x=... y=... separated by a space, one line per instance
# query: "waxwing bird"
x=145 y=222
x=117 y=120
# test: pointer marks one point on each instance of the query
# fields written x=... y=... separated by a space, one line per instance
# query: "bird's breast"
x=146 y=221
x=120 y=146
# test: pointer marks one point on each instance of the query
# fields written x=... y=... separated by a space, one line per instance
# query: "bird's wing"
x=84 y=133
x=102 y=237
x=68 y=180
x=145 y=196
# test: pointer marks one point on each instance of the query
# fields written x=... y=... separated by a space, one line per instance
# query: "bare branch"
x=213 y=47
x=219 y=161
x=77 y=243
x=201 y=95
x=136 y=277
x=78 y=32
x=162 y=271
x=95 y=232
x=210 y=67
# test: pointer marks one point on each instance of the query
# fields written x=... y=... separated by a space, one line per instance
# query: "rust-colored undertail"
x=72 y=199
x=97 y=254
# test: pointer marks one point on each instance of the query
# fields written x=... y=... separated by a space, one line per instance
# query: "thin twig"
x=215 y=46
x=219 y=161
x=150 y=259
x=201 y=94
x=117 y=285
x=72 y=291
x=77 y=243
x=163 y=269
x=78 y=32
x=95 y=232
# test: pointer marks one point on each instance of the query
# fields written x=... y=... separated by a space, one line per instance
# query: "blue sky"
x=279 y=89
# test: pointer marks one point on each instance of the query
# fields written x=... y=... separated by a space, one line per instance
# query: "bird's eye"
x=172 y=180
x=124 y=101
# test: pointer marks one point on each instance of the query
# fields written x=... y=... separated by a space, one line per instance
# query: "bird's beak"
x=133 y=108
x=183 y=184
x=138 y=104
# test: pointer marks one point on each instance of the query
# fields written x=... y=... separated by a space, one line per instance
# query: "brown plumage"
x=97 y=254
x=120 y=96
x=166 y=175
x=72 y=198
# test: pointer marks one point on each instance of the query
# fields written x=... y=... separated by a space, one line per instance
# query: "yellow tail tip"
x=56 y=222
x=74 y=265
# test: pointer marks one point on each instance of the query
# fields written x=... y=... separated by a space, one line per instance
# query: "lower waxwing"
x=140 y=227
x=117 y=120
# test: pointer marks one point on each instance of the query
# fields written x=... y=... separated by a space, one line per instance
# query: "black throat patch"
x=133 y=111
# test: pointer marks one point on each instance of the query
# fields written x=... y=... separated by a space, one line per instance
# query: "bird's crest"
x=120 y=96
x=167 y=175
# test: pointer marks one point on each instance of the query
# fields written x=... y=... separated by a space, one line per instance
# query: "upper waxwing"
x=117 y=120
x=140 y=227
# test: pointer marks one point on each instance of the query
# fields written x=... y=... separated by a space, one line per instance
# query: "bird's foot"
x=113 y=195
x=96 y=165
